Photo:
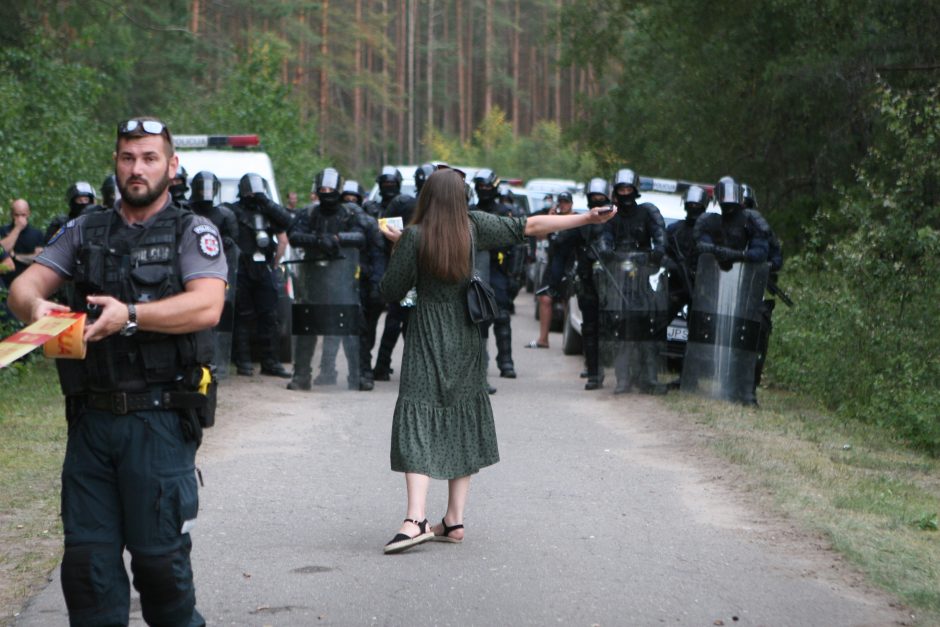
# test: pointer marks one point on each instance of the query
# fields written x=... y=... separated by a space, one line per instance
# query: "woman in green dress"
x=443 y=424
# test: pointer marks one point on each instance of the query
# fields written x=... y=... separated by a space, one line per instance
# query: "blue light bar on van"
x=215 y=141
x=669 y=186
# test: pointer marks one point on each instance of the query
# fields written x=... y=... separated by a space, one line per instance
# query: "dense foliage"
x=864 y=337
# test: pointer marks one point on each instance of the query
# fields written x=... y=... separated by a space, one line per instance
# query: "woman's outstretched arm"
x=539 y=226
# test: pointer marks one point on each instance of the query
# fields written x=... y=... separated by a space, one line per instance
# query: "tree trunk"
x=194 y=10
x=357 y=125
x=412 y=101
x=514 y=97
x=488 y=46
x=324 y=77
x=461 y=73
x=429 y=124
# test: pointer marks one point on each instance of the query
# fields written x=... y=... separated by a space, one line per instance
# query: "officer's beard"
x=145 y=198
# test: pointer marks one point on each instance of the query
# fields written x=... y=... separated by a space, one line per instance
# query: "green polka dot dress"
x=443 y=424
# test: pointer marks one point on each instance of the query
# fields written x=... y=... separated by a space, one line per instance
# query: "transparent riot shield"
x=633 y=299
x=326 y=303
x=481 y=262
x=223 y=331
x=724 y=330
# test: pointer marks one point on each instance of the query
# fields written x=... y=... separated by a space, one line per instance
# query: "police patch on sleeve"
x=209 y=246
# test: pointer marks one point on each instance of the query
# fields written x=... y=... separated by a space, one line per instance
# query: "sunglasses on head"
x=151 y=127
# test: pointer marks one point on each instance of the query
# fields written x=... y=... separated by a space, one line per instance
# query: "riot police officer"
x=334 y=238
x=259 y=220
x=421 y=175
x=393 y=204
x=137 y=403
x=681 y=252
x=80 y=197
x=178 y=187
x=503 y=264
x=372 y=303
x=205 y=191
x=109 y=192
x=580 y=246
x=725 y=241
x=637 y=234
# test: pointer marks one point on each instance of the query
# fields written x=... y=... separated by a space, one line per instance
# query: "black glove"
x=728 y=255
x=329 y=245
x=375 y=294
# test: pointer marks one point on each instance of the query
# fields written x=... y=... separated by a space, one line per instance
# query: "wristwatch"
x=130 y=327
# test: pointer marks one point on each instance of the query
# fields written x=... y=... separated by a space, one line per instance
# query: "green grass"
x=871 y=495
x=32 y=445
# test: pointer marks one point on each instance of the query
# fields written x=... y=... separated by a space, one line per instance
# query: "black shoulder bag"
x=481 y=300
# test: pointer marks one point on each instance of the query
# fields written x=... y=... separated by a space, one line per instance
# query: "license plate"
x=677 y=334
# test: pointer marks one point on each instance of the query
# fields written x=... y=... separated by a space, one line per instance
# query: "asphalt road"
x=602 y=512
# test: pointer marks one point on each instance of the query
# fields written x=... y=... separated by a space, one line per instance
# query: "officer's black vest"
x=737 y=229
x=135 y=266
x=632 y=228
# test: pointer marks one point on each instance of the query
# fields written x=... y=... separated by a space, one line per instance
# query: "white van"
x=206 y=152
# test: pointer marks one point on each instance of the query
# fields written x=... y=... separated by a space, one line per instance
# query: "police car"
x=667 y=195
x=230 y=157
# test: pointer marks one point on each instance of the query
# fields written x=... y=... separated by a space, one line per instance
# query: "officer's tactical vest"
x=135 y=266
x=632 y=228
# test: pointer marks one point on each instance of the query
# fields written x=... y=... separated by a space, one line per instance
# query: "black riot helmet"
x=695 y=201
x=353 y=192
x=505 y=194
x=251 y=185
x=748 y=197
x=109 y=191
x=728 y=195
x=389 y=182
x=421 y=175
x=79 y=195
x=178 y=187
x=623 y=180
x=206 y=187
x=597 y=192
x=486 y=183
x=329 y=187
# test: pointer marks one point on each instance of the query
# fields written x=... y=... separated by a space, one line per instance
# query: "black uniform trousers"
x=128 y=481
x=256 y=301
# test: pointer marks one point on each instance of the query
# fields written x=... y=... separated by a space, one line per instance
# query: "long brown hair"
x=444 y=248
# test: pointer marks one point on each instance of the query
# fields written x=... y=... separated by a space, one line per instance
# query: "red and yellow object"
x=60 y=334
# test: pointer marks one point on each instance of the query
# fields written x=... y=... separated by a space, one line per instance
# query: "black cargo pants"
x=128 y=481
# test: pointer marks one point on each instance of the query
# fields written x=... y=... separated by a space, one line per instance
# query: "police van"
x=230 y=157
x=667 y=195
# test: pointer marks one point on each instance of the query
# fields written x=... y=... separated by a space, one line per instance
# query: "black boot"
x=503 y=333
x=242 y=348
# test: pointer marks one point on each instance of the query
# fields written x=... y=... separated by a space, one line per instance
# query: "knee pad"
x=94 y=582
x=165 y=583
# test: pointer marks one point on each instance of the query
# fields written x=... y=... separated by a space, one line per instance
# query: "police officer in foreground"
x=502 y=264
x=681 y=251
x=202 y=201
x=260 y=219
x=736 y=242
x=394 y=204
x=154 y=276
x=80 y=197
x=581 y=246
x=335 y=243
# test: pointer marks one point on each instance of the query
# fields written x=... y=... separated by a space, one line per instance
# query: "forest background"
x=829 y=109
